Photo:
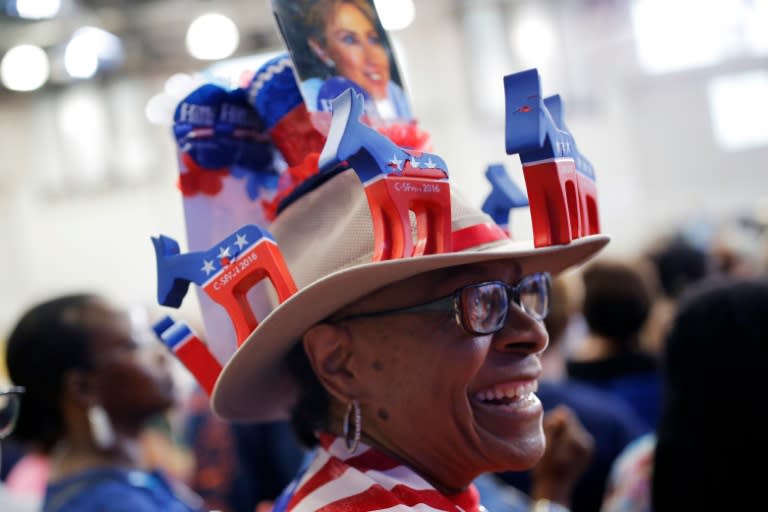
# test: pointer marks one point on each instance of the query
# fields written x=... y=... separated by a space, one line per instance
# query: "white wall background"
x=648 y=136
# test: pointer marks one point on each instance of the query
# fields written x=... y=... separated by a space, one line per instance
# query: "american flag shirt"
x=366 y=481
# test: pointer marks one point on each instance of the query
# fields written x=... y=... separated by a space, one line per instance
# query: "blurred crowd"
x=645 y=351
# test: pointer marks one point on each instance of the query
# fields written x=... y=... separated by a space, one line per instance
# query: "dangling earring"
x=101 y=427
x=322 y=55
x=352 y=414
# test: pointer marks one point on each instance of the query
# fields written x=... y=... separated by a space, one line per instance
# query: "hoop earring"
x=101 y=428
x=353 y=442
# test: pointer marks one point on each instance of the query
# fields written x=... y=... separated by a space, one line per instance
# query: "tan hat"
x=326 y=237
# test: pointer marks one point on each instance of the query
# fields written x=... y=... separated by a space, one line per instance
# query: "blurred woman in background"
x=91 y=387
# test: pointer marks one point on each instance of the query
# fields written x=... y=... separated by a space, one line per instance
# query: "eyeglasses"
x=482 y=308
x=9 y=409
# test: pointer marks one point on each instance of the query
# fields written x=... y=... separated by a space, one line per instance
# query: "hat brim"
x=254 y=386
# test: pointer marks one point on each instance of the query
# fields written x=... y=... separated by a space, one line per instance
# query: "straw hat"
x=326 y=237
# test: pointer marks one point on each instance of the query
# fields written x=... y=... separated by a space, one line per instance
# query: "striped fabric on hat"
x=367 y=480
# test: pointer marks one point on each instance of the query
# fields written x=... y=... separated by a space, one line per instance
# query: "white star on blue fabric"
x=396 y=162
x=241 y=241
x=414 y=163
x=208 y=267
x=224 y=252
x=430 y=164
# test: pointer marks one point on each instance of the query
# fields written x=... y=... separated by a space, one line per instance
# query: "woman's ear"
x=77 y=386
x=328 y=349
x=320 y=53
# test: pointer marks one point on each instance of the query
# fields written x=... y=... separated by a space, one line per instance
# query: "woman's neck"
x=71 y=456
x=374 y=439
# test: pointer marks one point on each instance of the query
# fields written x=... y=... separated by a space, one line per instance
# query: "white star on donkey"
x=208 y=267
x=396 y=162
x=241 y=241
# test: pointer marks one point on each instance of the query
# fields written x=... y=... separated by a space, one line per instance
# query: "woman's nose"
x=521 y=333
x=372 y=52
x=161 y=357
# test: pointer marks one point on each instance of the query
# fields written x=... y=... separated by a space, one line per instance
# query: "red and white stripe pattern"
x=367 y=480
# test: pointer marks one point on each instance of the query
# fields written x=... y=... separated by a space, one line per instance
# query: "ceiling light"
x=212 y=37
x=25 y=68
x=37 y=9
x=90 y=49
x=80 y=59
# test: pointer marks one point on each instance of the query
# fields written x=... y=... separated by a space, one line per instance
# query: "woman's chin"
x=377 y=90
x=513 y=436
x=519 y=454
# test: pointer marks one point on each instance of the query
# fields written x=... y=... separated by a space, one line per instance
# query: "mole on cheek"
x=383 y=414
x=378 y=365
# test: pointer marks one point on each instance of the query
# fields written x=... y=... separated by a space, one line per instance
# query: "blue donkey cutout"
x=589 y=221
x=396 y=181
x=559 y=180
x=505 y=195
x=370 y=153
x=554 y=105
x=531 y=130
x=225 y=272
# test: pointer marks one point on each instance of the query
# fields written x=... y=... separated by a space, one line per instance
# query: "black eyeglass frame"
x=452 y=303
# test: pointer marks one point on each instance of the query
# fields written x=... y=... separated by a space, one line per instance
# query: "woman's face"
x=356 y=48
x=431 y=392
x=132 y=375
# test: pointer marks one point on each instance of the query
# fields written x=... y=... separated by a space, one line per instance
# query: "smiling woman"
x=412 y=376
x=337 y=44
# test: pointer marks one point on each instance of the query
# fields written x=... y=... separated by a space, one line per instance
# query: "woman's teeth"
x=506 y=393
